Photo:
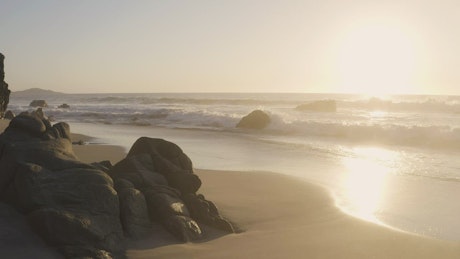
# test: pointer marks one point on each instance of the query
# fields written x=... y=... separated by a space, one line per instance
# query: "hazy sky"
x=371 y=47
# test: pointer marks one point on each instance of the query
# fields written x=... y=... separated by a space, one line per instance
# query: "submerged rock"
x=319 y=106
x=38 y=103
x=255 y=120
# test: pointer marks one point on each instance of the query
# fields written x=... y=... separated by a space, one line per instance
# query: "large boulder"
x=255 y=120
x=163 y=173
x=72 y=205
x=4 y=92
x=38 y=103
x=319 y=106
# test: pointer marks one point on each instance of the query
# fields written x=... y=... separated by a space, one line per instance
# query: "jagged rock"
x=69 y=203
x=319 y=106
x=64 y=106
x=38 y=103
x=206 y=211
x=104 y=166
x=133 y=210
x=77 y=207
x=9 y=115
x=4 y=92
x=255 y=120
x=168 y=160
x=138 y=170
x=164 y=174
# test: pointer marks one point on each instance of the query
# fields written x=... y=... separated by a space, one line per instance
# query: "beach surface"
x=281 y=217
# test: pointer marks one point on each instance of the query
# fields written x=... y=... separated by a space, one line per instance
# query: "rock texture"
x=255 y=120
x=319 y=106
x=85 y=210
x=164 y=175
x=4 y=92
x=70 y=204
x=9 y=115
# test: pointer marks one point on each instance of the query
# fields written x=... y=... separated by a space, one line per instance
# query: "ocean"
x=391 y=160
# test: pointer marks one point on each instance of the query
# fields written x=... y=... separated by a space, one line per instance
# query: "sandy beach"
x=281 y=217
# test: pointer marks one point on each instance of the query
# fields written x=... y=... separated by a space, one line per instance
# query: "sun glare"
x=376 y=59
x=365 y=180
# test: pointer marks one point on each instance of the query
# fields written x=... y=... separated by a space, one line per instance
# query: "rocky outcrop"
x=9 y=115
x=85 y=210
x=4 y=92
x=164 y=175
x=319 y=106
x=70 y=204
x=255 y=120
x=133 y=210
x=38 y=103
x=64 y=106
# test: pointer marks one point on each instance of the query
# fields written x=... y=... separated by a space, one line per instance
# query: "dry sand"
x=282 y=217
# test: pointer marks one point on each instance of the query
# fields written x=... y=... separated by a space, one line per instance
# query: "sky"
x=329 y=46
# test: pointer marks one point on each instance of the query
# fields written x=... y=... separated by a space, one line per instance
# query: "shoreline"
x=281 y=216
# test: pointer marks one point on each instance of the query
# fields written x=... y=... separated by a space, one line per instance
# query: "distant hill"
x=36 y=92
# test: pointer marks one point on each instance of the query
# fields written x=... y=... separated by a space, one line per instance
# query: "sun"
x=376 y=59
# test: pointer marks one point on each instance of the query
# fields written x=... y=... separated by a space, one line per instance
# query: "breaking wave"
x=420 y=121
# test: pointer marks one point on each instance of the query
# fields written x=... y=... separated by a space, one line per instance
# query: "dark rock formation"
x=38 y=103
x=164 y=174
x=255 y=120
x=319 y=106
x=4 y=92
x=85 y=210
x=72 y=205
x=133 y=210
x=64 y=106
x=9 y=115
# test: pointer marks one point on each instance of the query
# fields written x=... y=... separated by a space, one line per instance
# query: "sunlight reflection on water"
x=365 y=180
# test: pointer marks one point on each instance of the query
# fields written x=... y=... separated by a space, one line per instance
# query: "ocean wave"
x=415 y=121
x=434 y=136
x=446 y=105
x=415 y=104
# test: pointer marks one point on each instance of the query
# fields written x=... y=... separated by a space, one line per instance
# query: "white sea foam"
x=420 y=121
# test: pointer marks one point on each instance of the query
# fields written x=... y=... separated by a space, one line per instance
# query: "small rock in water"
x=255 y=120
x=38 y=103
